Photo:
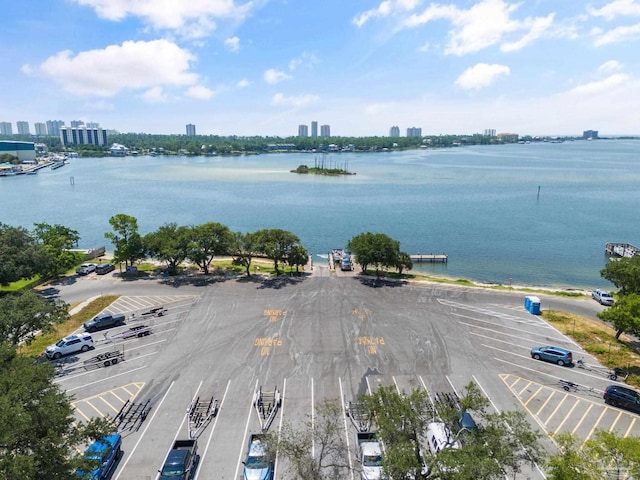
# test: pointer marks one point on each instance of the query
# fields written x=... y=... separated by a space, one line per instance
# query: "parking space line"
x=346 y=427
x=575 y=405
x=80 y=412
x=105 y=379
x=545 y=402
x=604 y=410
x=633 y=421
x=246 y=429
x=99 y=412
x=584 y=415
x=533 y=395
x=110 y=406
x=615 y=421
x=555 y=410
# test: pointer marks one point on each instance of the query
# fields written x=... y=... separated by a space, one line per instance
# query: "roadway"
x=330 y=335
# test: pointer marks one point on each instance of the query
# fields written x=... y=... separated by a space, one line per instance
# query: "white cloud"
x=155 y=95
x=100 y=106
x=616 y=35
x=199 y=92
x=130 y=66
x=386 y=8
x=193 y=18
x=600 y=87
x=610 y=66
x=481 y=75
x=274 y=76
x=306 y=59
x=280 y=99
x=244 y=83
x=232 y=44
x=617 y=8
x=486 y=23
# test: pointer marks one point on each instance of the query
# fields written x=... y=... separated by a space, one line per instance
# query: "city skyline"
x=537 y=68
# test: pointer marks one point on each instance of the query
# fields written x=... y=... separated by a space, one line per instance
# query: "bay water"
x=537 y=214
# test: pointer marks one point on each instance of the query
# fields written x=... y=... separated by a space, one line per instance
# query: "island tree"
x=24 y=314
x=624 y=315
x=624 y=273
x=243 y=248
x=126 y=239
x=207 y=241
x=20 y=255
x=57 y=241
x=375 y=249
x=276 y=244
x=170 y=244
x=298 y=257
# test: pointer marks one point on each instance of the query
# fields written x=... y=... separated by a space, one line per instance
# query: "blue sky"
x=262 y=67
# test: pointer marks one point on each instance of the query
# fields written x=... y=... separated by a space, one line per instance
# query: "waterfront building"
x=191 y=130
x=23 y=128
x=25 y=151
x=414 y=132
x=590 y=134
x=83 y=136
x=53 y=127
x=325 y=131
x=490 y=132
x=394 y=131
x=508 y=137
x=41 y=128
x=93 y=125
x=314 y=129
x=77 y=123
x=303 y=130
x=118 y=150
x=6 y=128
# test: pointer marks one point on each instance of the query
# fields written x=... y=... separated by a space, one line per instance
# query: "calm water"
x=479 y=205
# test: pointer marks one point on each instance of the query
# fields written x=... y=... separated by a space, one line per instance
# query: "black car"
x=105 y=268
x=622 y=397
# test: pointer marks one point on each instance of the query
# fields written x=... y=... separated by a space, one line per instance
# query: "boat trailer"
x=132 y=415
x=360 y=416
x=267 y=405
x=611 y=374
x=104 y=359
x=200 y=413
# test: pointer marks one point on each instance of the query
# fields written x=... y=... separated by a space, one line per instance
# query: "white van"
x=439 y=437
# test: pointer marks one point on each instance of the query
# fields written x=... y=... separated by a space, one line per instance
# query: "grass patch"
x=41 y=342
x=600 y=341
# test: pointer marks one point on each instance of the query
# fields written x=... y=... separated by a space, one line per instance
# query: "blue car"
x=257 y=465
x=107 y=451
x=552 y=354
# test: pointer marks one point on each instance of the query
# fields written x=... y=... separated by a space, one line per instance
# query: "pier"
x=622 y=250
x=431 y=258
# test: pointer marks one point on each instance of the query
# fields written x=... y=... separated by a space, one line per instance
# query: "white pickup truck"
x=370 y=452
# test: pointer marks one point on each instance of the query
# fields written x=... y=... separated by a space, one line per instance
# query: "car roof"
x=559 y=349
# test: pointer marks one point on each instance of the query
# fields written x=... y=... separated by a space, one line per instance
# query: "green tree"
x=624 y=273
x=39 y=436
x=298 y=257
x=317 y=450
x=624 y=315
x=20 y=255
x=25 y=313
x=276 y=244
x=404 y=262
x=377 y=249
x=170 y=244
x=57 y=240
x=207 y=241
x=243 y=248
x=604 y=455
x=126 y=239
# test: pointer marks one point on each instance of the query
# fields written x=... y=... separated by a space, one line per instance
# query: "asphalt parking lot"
x=327 y=336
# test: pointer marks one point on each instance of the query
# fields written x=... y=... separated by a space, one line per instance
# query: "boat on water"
x=57 y=164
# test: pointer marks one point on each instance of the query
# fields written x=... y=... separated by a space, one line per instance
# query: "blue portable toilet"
x=534 y=305
x=527 y=303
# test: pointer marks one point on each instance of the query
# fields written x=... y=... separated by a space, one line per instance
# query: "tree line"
x=624 y=315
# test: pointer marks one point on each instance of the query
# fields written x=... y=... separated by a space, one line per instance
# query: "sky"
x=263 y=67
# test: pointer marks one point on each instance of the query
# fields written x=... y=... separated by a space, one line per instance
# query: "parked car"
x=105 y=268
x=602 y=297
x=552 y=354
x=622 y=397
x=257 y=464
x=104 y=320
x=345 y=263
x=79 y=342
x=106 y=451
x=86 y=268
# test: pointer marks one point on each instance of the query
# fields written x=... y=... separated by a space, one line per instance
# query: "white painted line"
x=144 y=431
x=313 y=423
x=284 y=391
x=500 y=331
x=104 y=379
x=213 y=428
x=346 y=429
x=246 y=429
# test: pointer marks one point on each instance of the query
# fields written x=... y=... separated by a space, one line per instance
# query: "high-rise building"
x=76 y=123
x=414 y=132
x=394 y=131
x=314 y=129
x=191 y=130
x=93 y=125
x=23 y=128
x=303 y=130
x=590 y=134
x=41 y=128
x=490 y=132
x=325 y=131
x=83 y=136
x=53 y=127
x=6 y=128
